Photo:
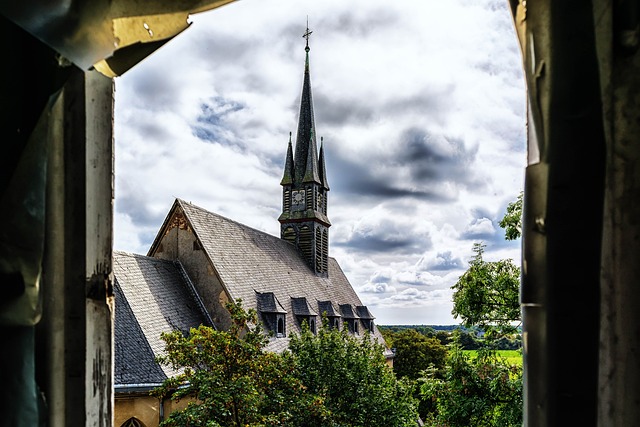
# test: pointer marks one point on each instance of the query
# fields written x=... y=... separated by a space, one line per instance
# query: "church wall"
x=144 y=408
x=179 y=242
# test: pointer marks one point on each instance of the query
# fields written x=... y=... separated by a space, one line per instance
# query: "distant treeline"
x=467 y=338
x=398 y=328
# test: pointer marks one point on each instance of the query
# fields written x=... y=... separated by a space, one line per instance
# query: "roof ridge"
x=135 y=255
x=241 y=225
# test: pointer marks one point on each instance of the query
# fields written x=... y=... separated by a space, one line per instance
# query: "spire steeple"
x=305 y=160
x=323 y=169
x=304 y=221
x=287 y=178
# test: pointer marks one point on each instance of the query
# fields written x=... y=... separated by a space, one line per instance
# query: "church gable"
x=268 y=274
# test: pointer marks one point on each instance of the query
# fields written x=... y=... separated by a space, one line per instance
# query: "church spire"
x=323 y=169
x=304 y=221
x=305 y=160
x=287 y=178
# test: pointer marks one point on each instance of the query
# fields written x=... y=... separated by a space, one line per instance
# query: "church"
x=200 y=260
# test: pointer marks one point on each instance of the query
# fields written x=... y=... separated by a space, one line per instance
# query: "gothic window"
x=133 y=422
x=336 y=323
x=312 y=326
x=280 y=332
x=355 y=327
x=368 y=324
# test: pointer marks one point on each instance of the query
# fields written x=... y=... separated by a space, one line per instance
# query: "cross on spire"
x=306 y=35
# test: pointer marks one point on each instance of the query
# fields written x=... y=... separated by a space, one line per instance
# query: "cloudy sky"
x=421 y=105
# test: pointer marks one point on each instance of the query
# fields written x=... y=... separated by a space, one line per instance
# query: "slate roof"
x=301 y=307
x=151 y=296
x=250 y=262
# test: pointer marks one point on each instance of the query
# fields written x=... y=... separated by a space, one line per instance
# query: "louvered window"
x=325 y=250
x=286 y=201
x=310 y=193
x=289 y=235
x=319 y=254
x=306 y=243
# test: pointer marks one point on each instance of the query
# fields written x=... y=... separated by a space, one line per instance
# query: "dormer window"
x=366 y=317
x=331 y=312
x=304 y=313
x=272 y=313
x=350 y=317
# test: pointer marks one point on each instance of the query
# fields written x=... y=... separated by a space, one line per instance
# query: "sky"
x=421 y=105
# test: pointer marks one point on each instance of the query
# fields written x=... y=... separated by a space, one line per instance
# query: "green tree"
x=352 y=379
x=482 y=391
x=230 y=380
x=487 y=294
x=512 y=220
x=415 y=353
x=465 y=339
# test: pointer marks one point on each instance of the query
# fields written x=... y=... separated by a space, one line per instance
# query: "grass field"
x=512 y=356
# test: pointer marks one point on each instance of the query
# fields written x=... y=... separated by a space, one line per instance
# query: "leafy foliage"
x=351 y=377
x=512 y=220
x=231 y=380
x=329 y=380
x=415 y=352
x=481 y=391
x=484 y=390
x=487 y=294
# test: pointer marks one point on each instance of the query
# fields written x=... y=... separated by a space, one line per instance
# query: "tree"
x=415 y=353
x=483 y=391
x=512 y=220
x=350 y=376
x=230 y=380
x=487 y=294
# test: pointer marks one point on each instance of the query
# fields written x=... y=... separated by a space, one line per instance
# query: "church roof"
x=151 y=296
x=251 y=263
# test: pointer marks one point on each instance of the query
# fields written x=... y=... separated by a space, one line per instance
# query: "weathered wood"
x=78 y=322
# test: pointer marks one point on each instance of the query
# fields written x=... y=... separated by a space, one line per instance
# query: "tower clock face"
x=297 y=199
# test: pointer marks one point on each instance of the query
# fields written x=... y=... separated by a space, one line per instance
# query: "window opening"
x=280 y=326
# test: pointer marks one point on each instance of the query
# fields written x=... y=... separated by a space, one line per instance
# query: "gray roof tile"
x=250 y=262
x=151 y=298
x=301 y=307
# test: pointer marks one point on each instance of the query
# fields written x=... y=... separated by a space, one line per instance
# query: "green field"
x=512 y=356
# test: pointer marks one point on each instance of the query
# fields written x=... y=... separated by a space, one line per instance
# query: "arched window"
x=280 y=326
x=355 y=327
x=133 y=422
x=312 y=325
